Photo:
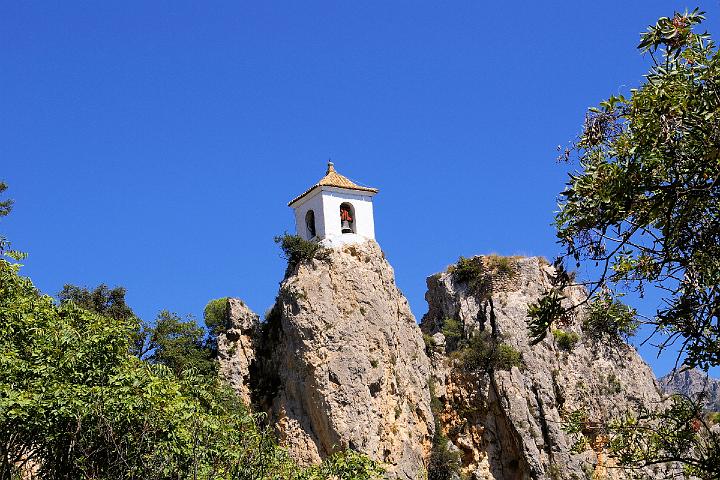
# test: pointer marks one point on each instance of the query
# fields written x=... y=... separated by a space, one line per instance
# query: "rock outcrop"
x=507 y=420
x=236 y=346
x=695 y=384
x=339 y=362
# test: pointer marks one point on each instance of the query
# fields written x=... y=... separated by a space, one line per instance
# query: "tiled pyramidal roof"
x=334 y=179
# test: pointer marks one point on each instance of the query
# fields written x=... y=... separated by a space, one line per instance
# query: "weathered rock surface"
x=349 y=363
x=236 y=346
x=693 y=383
x=507 y=423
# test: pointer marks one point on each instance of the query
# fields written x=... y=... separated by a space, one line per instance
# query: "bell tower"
x=335 y=210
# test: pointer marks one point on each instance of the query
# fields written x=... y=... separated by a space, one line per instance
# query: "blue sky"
x=155 y=145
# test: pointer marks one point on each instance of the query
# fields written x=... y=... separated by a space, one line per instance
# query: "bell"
x=346 y=228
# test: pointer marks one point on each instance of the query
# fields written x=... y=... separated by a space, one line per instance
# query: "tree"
x=5 y=209
x=102 y=300
x=180 y=345
x=5 y=205
x=644 y=205
x=215 y=315
x=644 y=208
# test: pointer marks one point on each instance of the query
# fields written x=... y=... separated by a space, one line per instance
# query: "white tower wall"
x=364 y=224
x=311 y=202
x=325 y=203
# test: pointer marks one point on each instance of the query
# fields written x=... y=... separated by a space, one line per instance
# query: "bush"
x=296 y=249
x=482 y=273
x=345 y=465
x=453 y=331
x=429 y=343
x=443 y=464
x=566 y=340
x=505 y=266
x=467 y=270
x=542 y=313
x=484 y=354
x=215 y=315
x=506 y=357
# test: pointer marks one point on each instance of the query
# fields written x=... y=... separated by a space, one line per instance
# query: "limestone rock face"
x=236 y=346
x=349 y=363
x=693 y=383
x=507 y=423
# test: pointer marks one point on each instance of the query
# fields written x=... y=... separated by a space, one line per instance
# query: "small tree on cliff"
x=644 y=206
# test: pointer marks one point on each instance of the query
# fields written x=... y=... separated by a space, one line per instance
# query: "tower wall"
x=362 y=205
x=313 y=202
x=325 y=203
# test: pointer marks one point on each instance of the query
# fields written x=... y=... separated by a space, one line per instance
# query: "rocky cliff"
x=339 y=362
x=695 y=384
x=236 y=346
x=501 y=402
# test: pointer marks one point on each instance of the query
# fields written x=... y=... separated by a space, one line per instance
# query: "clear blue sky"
x=155 y=145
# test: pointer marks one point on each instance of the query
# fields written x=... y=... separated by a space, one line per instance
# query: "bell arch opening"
x=310 y=225
x=347 y=218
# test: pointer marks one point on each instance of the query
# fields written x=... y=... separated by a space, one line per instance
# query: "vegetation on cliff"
x=644 y=209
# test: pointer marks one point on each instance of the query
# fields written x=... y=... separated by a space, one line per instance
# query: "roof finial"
x=331 y=167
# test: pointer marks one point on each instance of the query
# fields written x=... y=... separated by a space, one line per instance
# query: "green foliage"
x=215 y=315
x=443 y=464
x=297 y=250
x=612 y=385
x=575 y=421
x=453 y=331
x=506 y=357
x=484 y=354
x=109 y=303
x=542 y=313
x=566 y=340
x=504 y=266
x=101 y=300
x=482 y=272
x=576 y=424
x=73 y=401
x=5 y=205
x=643 y=205
x=429 y=342
x=676 y=432
x=643 y=209
x=467 y=270
x=5 y=209
x=608 y=318
x=180 y=345
x=713 y=418
x=345 y=465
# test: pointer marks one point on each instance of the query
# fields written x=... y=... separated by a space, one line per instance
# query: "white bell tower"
x=335 y=211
